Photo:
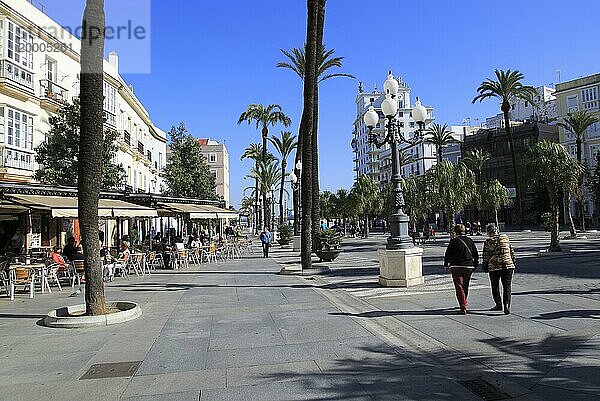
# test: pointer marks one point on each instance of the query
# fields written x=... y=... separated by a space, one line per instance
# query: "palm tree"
x=342 y=207
x=475 y=160
x=268 y=177
x=264 y=117
x=90 y=146
x=296 y=61
x=417 y=202
x=255 y=152
x=326 y=205
x=440 y=136
x=284 y=145
x=508 y=87
x=365 y=195
x=577 y=124
x=494 y=195
x=454 y=185
x=550 y=167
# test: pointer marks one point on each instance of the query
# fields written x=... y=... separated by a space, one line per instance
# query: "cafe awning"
x=196 y=212
x=66 y=206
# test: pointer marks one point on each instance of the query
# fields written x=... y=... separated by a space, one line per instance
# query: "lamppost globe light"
x=299 y=166
x=419 y=112
x=390 y=86
x=371 y=118
x=389 y=106
x=293 y=177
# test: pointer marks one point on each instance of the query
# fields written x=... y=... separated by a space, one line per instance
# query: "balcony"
x=52 y=91
x=110 y=119
x=15 y=161
x=140 y=148
x=127 y=137
x=16 y=74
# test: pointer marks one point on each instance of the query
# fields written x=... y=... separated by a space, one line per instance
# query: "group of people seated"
x=62 y=257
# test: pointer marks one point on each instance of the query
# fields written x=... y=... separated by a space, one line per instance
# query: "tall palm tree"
x=507 y=87
x=268 y=177
x=254 y=152
x=90 y=146
x=475 y=160
x=314 y=27
x=264 y=117
x=296 y=61
x=284 y=146
x=577 y=124
x=342 y=207
x=440 y=136
x=454 y=185
x=365 y=195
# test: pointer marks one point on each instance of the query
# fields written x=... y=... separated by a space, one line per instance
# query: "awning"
x=64 y=206
x=196 y=212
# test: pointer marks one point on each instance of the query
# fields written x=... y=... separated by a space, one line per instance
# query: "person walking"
x=499 y=261
x=265 y=239
x=462 y=259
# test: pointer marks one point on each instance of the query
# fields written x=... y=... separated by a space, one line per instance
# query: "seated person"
x=78 y=255
x=57 y=258
x=195 y=243
x=70 y=248
x=119 y=262
x=165 y=250
x=179 y=245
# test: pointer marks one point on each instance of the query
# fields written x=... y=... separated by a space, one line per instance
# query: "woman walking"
x=265 y=239
x=499 y=261
x=462 y=258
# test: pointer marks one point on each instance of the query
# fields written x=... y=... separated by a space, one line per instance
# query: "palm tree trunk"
x=580 y=197
x=266 y=213
x=316 y=212
x=283 y=167
x=572 y=230
x=439 y=154
x=505 y=110
x=306 y=127
x=496 y=217
x=90 y=146
x=256 y=208
x=554 y=232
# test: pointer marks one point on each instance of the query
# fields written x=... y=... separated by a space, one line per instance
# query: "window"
x=572 y=103
x=110 y=96
x=214 y=173
x=526 y=103
x=212 y=157
x=19 y=128
x=512 y=106
x=589 y=98
x=20 y=45
x=149 y=155
x=51 y=70
x=412 y=124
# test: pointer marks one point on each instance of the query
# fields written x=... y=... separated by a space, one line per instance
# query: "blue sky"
x=210 y=59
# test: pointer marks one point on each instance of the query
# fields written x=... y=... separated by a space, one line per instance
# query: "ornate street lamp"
x=295 y=182
x=399 y=238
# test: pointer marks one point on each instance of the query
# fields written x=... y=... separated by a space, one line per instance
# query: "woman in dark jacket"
x=462 y=258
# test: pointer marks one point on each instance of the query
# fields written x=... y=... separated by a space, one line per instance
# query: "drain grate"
x=116 y=369
x=484 y=390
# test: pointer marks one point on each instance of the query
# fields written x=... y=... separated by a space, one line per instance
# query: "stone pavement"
x=238 y=331
x=549 y=345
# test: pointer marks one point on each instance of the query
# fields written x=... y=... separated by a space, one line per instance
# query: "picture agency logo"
x=127 y=31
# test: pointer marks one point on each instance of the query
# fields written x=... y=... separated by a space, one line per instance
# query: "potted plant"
x=285 y=234
x=327 y=245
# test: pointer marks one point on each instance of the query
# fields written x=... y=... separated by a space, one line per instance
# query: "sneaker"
x=507 y=309
x=463 y=312
x=496 y=308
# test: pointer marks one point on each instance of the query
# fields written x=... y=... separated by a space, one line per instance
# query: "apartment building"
x=581 y=94
x=377 y=163
x=543 y=109
x=217 y=159
x=39 y=72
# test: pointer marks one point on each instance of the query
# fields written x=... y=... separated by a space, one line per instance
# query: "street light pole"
x=399 y=238
x=295 y=179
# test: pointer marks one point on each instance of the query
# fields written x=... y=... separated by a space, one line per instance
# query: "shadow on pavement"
x=579 y=314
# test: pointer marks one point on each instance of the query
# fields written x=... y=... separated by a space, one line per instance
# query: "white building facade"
x=39 y=71
x=544 y=109
x=377 y=163
x=217 y=159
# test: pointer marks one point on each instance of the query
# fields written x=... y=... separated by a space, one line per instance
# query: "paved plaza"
x=237 y=330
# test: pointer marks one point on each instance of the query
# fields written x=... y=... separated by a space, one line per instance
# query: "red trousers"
x=461 y=277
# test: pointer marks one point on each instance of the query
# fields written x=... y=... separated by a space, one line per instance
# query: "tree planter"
x=283 y=241
x=328 y=256
x=71 y=317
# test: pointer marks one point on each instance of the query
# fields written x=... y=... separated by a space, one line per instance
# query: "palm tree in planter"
x=284 y=146
x=365 y=195
x=508 y=87
x=550 y=167
x=264 y=117
x=90 y=147
x=342 y=206
x=577 y=124
x=327 y=245
x=475 y=159
x=254 y=152
x=440 y=136
x=454 y=185
x=296 y=62
x=494 y=195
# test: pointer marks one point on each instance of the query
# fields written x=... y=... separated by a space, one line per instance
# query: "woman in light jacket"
x=499 y=261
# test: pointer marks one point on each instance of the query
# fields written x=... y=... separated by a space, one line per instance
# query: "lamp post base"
x=401 y=267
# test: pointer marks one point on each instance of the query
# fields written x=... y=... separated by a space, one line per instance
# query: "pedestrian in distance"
x=462 y=259
x=265 y=239
x=499 y=262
